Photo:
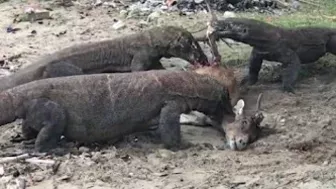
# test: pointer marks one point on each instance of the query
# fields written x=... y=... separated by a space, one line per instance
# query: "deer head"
x=245 y=129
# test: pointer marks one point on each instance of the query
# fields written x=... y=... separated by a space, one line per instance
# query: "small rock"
x=326 y=162
x=229 y=14
x=230 y=6
x=163 y=153
x=296 y=5
x=96 y=156
x=35 y=14
x=109 y=4
x=118 y=25
x=38 y=178
x=126 y=158
x=164 y=7
x=198 y=1
x=98 y=3
x=2 y=170
x=83 y=149
x=123 y=13
x=282 y=121
x=64 y=178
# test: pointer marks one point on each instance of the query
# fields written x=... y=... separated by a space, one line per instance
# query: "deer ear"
x=239 y=107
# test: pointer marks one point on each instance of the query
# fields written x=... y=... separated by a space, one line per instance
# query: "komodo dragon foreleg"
x=292 y=65
x=145 y=60
x=331 y=45
x=169 y=125
x=255 y=62
x=45 y=120
x=289 y=59
x=64 y=68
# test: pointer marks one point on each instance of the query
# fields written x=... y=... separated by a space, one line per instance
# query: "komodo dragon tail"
x=22 y=76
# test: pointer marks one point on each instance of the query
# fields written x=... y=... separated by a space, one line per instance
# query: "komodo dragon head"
x=183 y=45
x=245 y=30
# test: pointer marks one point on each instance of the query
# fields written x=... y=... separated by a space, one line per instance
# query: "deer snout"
x=238 y=142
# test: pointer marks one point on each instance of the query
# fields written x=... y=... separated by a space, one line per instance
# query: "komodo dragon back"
x=139 y=51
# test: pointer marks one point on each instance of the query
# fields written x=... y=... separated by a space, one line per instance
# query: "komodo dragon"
x=102 y=107
x=291 y=47
x=135 y=52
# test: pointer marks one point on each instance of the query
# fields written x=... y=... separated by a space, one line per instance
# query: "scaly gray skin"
x=136 y=52
x=291 y=47
x=104 y=107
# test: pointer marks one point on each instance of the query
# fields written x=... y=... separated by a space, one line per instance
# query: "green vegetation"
x=308 y=15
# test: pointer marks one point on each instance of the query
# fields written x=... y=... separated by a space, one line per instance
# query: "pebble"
x=229 y=14
x=2 y=170
x=118 y=25
x=296 y=5
x=163 y=153
x=123 y=13
x=38 y=178
x=83 y=149
x=326 y=162
x=109 y=4
x=98 y=3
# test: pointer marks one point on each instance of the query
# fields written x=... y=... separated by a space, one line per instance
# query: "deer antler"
x=259 y=102
x=212 y=35
x=258 y=117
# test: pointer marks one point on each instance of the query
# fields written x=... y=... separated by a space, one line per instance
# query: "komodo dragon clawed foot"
x=169 y=125
x=45 y=120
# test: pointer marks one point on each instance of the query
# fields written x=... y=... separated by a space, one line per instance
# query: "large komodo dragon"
x=135 y=52
x=289 y=46
x=102 y=107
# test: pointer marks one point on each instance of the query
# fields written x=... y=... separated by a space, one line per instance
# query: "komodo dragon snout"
x=233 y=28
x=186 y=47
x=245 y=129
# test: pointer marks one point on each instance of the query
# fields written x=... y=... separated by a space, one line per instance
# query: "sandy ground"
x=297 y=150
